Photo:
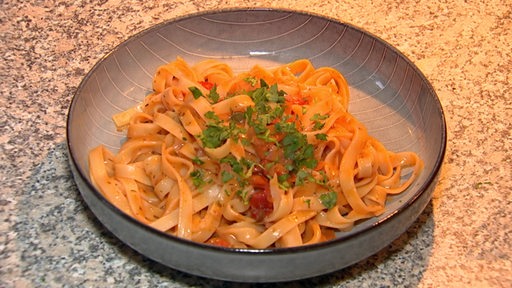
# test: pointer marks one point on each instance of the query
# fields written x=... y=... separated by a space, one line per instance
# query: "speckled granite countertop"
x=49 y=238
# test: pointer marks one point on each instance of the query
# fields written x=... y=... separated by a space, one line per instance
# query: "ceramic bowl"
x=388 y=94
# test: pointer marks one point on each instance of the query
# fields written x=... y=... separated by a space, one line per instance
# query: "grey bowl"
x=388 y=93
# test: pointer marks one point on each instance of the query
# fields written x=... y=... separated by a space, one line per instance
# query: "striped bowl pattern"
x=388 y=94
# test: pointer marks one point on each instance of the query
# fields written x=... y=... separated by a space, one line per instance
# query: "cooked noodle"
x=262 y=159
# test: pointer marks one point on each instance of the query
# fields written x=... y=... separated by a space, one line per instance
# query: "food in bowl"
x=260 y=159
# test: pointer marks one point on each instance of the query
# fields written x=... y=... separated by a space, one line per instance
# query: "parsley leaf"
x=197 y=161
x=283 y=180
x=236 y=166
x=297 y=148
x=216 y=132
x=212 y=116
x=245 y=142
x=214 y=95
x=226 y=176
x=197 y=178
x=251 y=80
x=329 y=199
x=244 y=194
x=317 y=117
x=301 y=177
x=214 y=135
x=321 y=136
x=195 y=92
x=274 y=96
x=317 y=125
x=322 y=179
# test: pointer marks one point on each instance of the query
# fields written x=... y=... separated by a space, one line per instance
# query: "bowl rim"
x=251 y=251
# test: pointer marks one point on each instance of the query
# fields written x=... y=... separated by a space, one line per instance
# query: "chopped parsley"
x=251 y=80
x=233 y=162
x=197 y=161
x=214 y=135
x=318 y=117
x=212 y=116
x=197 y=178
x=244 y=194
x=317 y=121
x=329 y=199
x=217 y=132
x=195 y=92
x=273 y=95
x=283 y=181
x=213 y=95
x=297 y=148
x=226 y=176
x=242 y=168
x=302 y=176
x=323 y=179
x=321 y=136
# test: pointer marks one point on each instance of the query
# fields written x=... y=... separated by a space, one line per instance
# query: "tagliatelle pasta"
x=262 y=159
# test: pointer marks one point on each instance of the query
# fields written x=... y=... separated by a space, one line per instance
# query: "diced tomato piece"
x=219 y=242
x=261 y=204
x=258 y=181
x=207 y=85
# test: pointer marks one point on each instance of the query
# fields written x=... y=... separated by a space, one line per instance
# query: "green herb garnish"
x=197 y=178
x=213 y=95
x=317 y=121
x=226 y=176
x=195 y=92
x=321 y=136
x=329 y=199
x=214 y=136
x=217 y=132
x=197 y=161
x=251 y=80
